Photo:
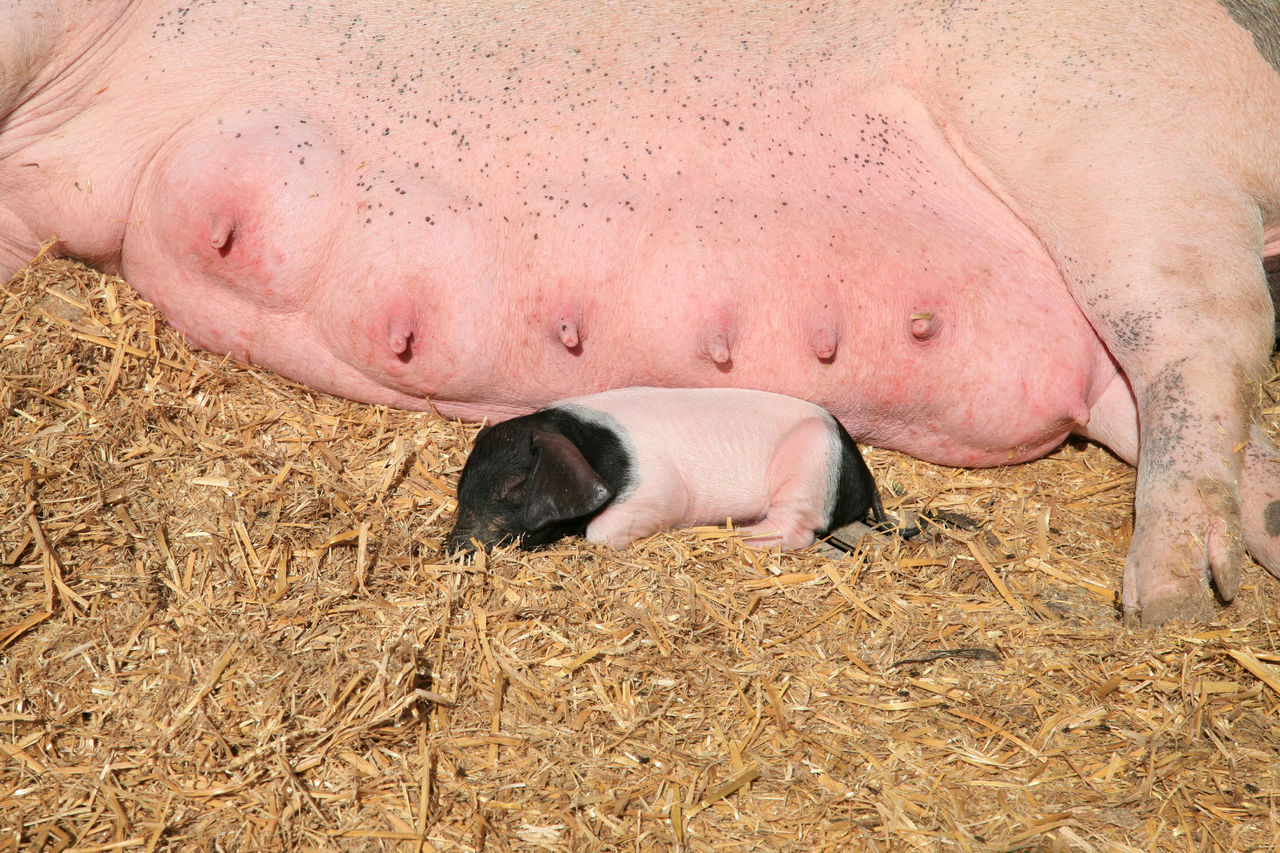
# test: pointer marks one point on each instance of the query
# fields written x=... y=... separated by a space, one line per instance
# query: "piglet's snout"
x=463 y=538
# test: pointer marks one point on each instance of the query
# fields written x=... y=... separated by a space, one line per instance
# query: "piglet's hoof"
x=844 y=540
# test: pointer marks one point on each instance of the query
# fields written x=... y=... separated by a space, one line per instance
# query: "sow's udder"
x=625 y=241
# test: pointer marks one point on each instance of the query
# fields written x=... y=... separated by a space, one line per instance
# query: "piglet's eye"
x=510 y=484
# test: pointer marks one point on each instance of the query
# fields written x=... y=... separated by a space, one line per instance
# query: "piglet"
x=623 y=464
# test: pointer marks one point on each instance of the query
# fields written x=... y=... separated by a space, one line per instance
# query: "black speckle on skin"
x=1271 y=518
x=1170 y=412
x=1131 y=330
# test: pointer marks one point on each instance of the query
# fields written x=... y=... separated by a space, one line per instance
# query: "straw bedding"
x=226 y=624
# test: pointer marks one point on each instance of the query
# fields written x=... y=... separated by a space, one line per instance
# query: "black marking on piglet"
x=856 y=492
x=537 y=479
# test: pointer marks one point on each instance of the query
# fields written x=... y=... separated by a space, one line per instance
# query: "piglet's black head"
x=525 y=482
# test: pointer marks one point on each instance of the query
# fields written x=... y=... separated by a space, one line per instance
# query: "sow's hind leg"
x=1185 y=311
x=1113 y=421
x=1161 y=249
x=1147 y=183
x=1193 y=349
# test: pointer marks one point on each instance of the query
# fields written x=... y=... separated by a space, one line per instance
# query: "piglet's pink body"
x=703 y=456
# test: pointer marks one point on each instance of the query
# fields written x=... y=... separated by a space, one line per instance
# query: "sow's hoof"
x=1186 y=599
x=1167 y=575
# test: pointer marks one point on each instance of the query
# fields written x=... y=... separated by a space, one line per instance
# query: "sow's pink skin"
x=623 y=464
x=967 y=230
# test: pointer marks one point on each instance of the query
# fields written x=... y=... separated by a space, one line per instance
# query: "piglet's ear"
x=563 y=485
